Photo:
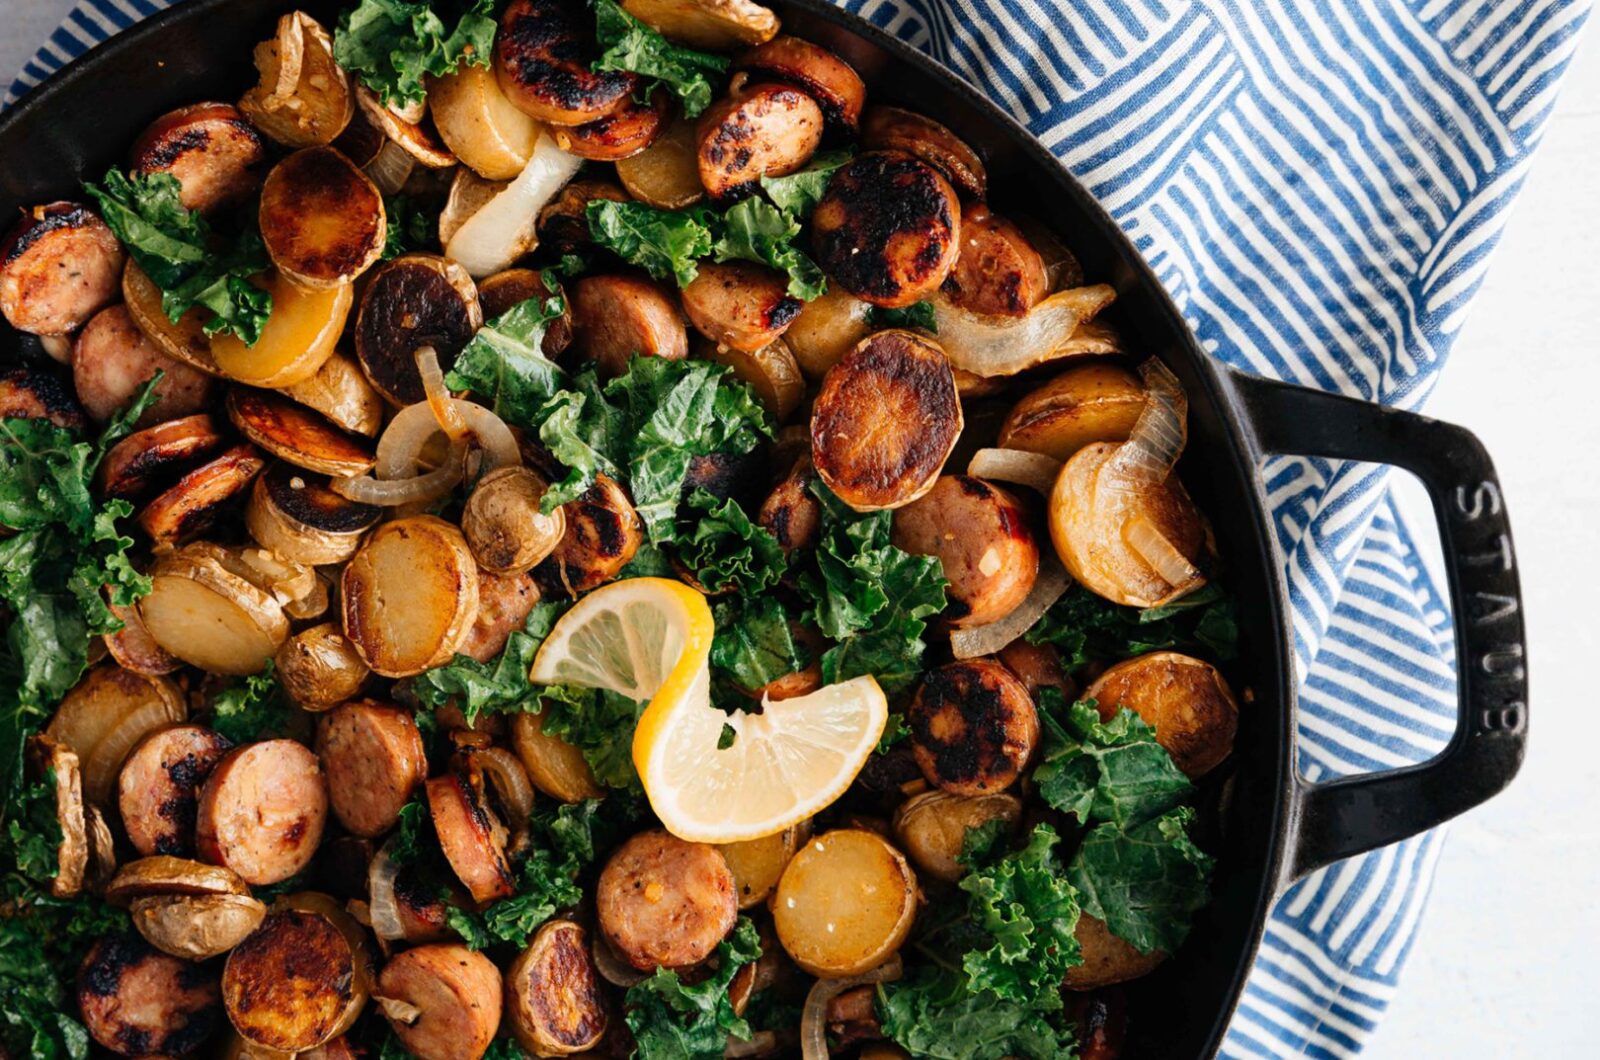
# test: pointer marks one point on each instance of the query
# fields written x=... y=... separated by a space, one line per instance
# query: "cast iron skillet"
x=1274 y=826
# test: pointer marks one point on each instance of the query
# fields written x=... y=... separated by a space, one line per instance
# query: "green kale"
x=410 y=228
x=915 y=315
x=798 y=193
x=1030 y=913
x=754 y=643
x=1085 y=627
x=584 y=434
x=177 y=249
x=664 y=243
x=35 y=831
x=499 y=686
x=1145 y=882
x=932 y=1014
x=672 y=1020
x=391 y=45
x=251 y=709
x=755 y=230
x=565 y=844
x=632 y=46
x=725 y=550
x=895 y=730
x=1104 y=771
x=413 y=841
x=504 y=364
x=599 y=723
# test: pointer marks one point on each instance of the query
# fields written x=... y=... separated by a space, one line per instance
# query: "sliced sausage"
x=887 y=229
x=30 y=392
x=768 y=130
x=263 y=810
x=138 y=1001
x=997 y=272
x=1184 y=699
x=617 y=317
x=112 y=359
x=892 y=129
x=195 y=501
x=505 y=290
x=822 y=75
x=619 y=135
x=422 y=904
x=603 y=534
x=288 y=985
x=973 y=727
x=664 y=902
x=209 y=147
x=58 y=265
x=543 y=57
x=158 y=790
x=1038 y=666
x=792 y=512
x=740 y=304
x=554 y=1000
x=471 y=834
x=134 y=648
x=146 y=458
x=374 y=759
x=413 y=301
x=504 y=601
x=981 y=536
x=457 y=995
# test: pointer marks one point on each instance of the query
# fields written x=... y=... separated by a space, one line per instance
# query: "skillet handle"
x=1341 y=818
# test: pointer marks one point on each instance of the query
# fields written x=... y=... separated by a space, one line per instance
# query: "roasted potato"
x=932 y=827
x=479 y=124
x=320 y=668
x=665 y=174
x=51 y=761
x=828 y=327
x=304 y=98
x=295 y=341
x=210 y=617
x=425 y=562
x=893 y=129
x=816 y=71
x=1186 y=701
x=322 y=220
x=196 y=927
x=341 y=392
x=293 y=513
x=769 y=130
x=184 y=339
x=757 y=864
x=134 y=648
x=888 y=228
x=208 y=148
x=413 y=301
x=983 y=540
x=161 y=874
x=563 y=222
x=973 y=727
x=1106 y=958
x=194 y=502
x=710 y=25
x=289 y=984
x=555 y=766
x=296 y=434
x=603 y=534
x=104 y=716
x=1088 y=403
x=844 y=904
x=553 y=994
x=504 y=527
x=406 y=129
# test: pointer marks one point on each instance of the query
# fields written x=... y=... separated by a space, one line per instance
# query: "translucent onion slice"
x=439 y=400
x=1154 y=548
x=390 y=493
x=814 y=1017
x=1034 y=470
x=490 y=434
x=1158 y=437
x=611 y=967
x=397 y=1010
x=498 y=234
x=995 y=345
x=390 y=168
x=511 y=784
x=1048 y=587
x=383 y=912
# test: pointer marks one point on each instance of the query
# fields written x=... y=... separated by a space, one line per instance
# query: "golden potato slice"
x=555 y=766
x=553 y=994
x=340 y=392
x=885 y=421
x=409 y=595
x=408 y=131
x=757 y=864
x=196 y=926
x=415 y=300
x=211 y=617
x=845 y=903
x=304 y=98
x=932 y=827
x=827 y=328
x=355 y=936
x=1106 y=958
x=1184 y=699
x=293 y=513
x=104 y=715
x=162 y=874
x=193 y=503
x=296 y=339
x=710 y=25
x=666 y=174
x=287 y=986
x=186 y=339
x=296 y=434
x=479 y=124
x=1089 y=403
x=320 y=668
x=322 y=220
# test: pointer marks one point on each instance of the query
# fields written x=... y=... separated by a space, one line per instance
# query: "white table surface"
x=1503 y=964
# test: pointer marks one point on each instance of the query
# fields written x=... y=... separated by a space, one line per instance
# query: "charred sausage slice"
x=158 y=791
x=887 y=229
x=288 y=984
x=145 y=458
x=603 y=534
x=617 y=136
x=553 y=995
x=322 y=220
x=998 y=272
x=137 y=1001
x=195 y=501
x=617 y=317
x=58 y=265
x=296 y=434
x=543 y=56
x=413 y=301
x=471 y=833
x=791 y=511
x=457 y=995
x=973 y=727
x=664 y=902
x=263 y=810
x=981 y=537
x=374 y=759
x=740 y=304
x=112 y=359
x=822 y=75
x=209 y=148
x=504 y=601
x=31 y=392
x=768 y=130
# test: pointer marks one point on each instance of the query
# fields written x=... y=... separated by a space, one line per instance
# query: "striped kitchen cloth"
x=1319 y=184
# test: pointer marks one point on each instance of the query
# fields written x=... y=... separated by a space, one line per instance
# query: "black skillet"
x=1276 y=827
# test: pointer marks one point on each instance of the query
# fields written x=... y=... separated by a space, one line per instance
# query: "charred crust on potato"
x=875 y=206
x=286 y=985
x=306 y=498
x=299 y=196
x=413 y=301
x=142 y=459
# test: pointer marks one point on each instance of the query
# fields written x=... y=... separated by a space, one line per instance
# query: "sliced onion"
x=439 y=400
x=493 y=437
x=1034 y=470
x=814 y=1017
x=390 y=168
x=1158 y=437
x=999 y=345
x=510 y=779
x=403 y=440
x=383 y=912
x=491 y=239
x=389 y=493
x=614 y=969
x=760 y=1042
x=1048 y=587
x=1156 y=549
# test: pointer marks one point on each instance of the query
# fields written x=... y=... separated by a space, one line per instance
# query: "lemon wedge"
x=650 y=639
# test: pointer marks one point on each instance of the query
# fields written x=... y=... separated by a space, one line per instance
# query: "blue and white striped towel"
x=1319 y=183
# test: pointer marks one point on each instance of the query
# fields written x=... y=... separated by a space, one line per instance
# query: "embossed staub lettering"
x=1498 y=665
x=1477 y=501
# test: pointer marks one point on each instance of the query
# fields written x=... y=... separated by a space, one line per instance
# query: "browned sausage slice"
x=603 y=534
x=58 y=265
x=767 y=131
x=195 y=501
x=138 y=1001
x=616 y=317
x=263 y=810
x=887 y=229
x=504 y=601
x=158 y=791
x=471 y=834
x=893 y=129
x=145 y=458
x=983 y=541
x=553 y=996
x=287 y=986
x=209 y=147
x=134 y=648
x=543 y=56
x=973 y=727
x=457 y=995
x=791 y=511
x=112 y=359
x=504 y=290
x=998 y=272
x=740 y=304
x=374 y=759
x=664 y=902
x=822 y=75
x=29 y=392
x=1038 y=666
x=616 y=136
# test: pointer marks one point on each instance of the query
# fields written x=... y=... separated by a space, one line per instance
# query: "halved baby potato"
x=771 y=371
x=666 y=174
x=885 y=421
x=296 y=434
x=296 y=515
x=410 y=132
x=886 y=128
x=555 y=766
x=563 y=222
x=144 y=458
x=105 y=715
x=932 y=827
x=296 y=339
x=710 y=25
x=828 y=327
x=341 y=392
x=163 y=874
x=50 y=760
x=1107 y=959
x=320 y=668
x=196 y=927
x=289 y=984
x=184 y=339
x=616 y=136
x=210 y=616
x=413 y=301
x=503 y=523
x=1184 y=699
x=134 y=648
x=322 y=220
x=479 y=124
x=554 y=998
x=304 y=98
x=845 y=903
x=758 y=864
x=193 y=503
x=409 y=595
x=1086 y=404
